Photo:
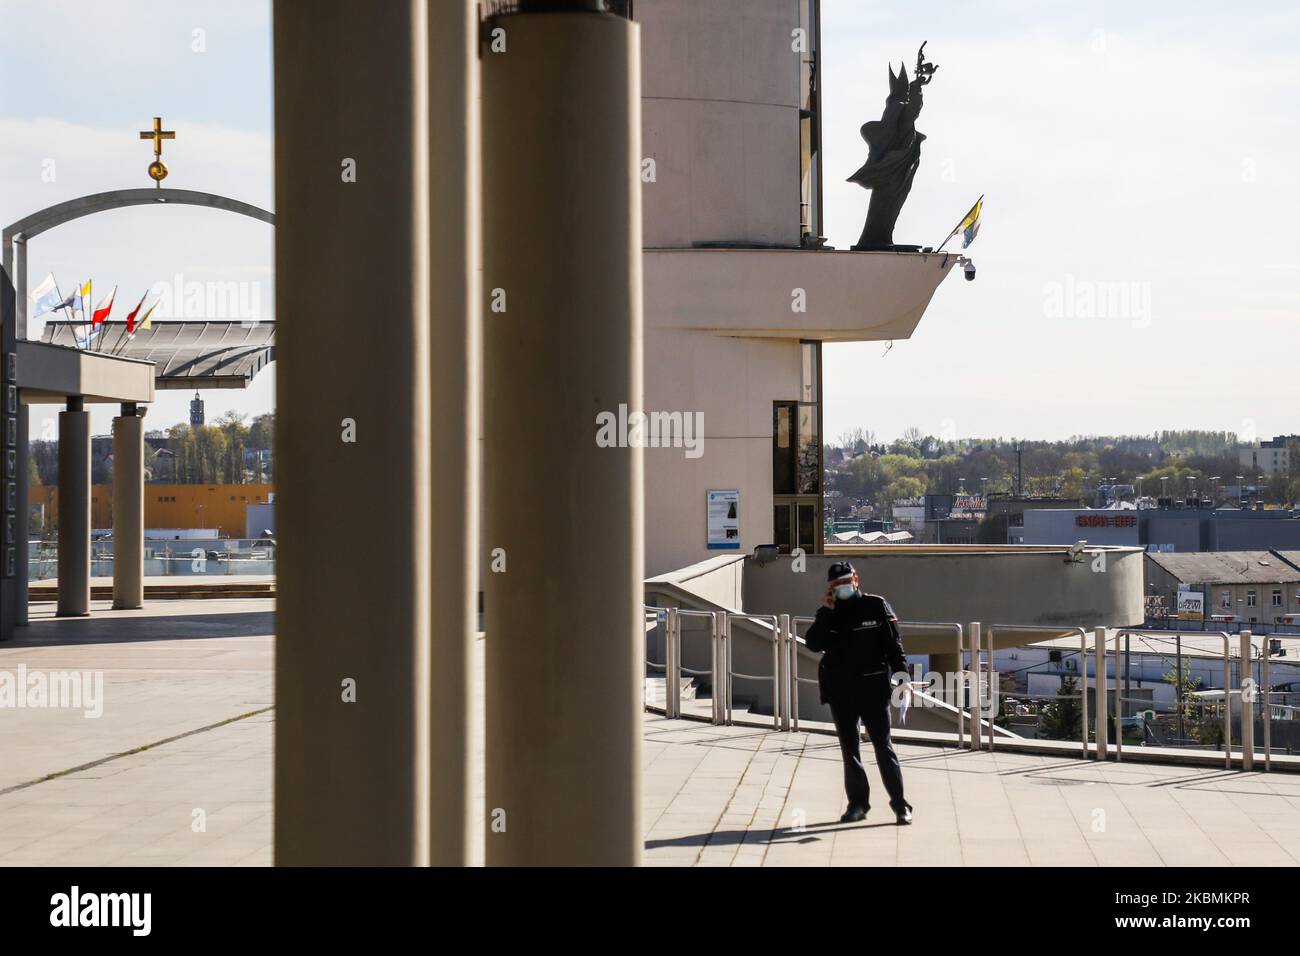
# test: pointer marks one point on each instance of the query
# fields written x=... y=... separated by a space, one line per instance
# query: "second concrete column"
x=74 y=510
x=128 y=509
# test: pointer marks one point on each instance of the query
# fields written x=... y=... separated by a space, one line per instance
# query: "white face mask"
x=844 y=591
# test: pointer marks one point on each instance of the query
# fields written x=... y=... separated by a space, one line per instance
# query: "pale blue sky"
x=78 y=80
x=1152 y=147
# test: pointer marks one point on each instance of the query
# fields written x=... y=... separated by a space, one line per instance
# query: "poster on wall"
x=1191 y=606
x=724 y=518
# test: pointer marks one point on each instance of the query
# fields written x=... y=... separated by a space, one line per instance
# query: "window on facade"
x=783 y=467
x=796 y=431
x=1251 y=600
x=1277 y=597
x=796 y=449
x=1225 y=599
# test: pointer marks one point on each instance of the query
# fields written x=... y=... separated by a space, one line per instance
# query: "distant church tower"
x=196 y=411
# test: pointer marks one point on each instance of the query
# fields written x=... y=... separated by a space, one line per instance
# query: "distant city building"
x=1005 y=515
x=1270 y=458
x=908 y=515
x=220 y=508
x=1248 y=587
x=1169 y=529
x=196 y=411
x=952 y=519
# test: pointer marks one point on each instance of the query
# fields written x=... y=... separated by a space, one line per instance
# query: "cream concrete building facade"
x=738 y=295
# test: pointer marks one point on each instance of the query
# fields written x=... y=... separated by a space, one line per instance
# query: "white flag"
x=45 y=297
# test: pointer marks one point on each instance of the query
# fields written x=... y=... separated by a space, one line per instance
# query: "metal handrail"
x=775 y=676
x=648 y=614
x=957 y=633
x=795 y=679
x=1083 y=668
x=679 y=668
x=1227 y=679
x=786 y=679
x=672 y=666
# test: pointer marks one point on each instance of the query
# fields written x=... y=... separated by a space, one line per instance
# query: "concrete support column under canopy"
x=74 y=510
x=374 y=128
x=562 y=348
x=128 y=508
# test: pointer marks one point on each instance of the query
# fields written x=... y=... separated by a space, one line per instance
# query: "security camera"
x=968 y=268
x=1076 y=551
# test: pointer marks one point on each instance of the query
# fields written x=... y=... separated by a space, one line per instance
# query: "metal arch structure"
x=18 y=234
x=13 y=328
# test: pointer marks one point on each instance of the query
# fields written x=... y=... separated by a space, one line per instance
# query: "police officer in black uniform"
x=861 y=649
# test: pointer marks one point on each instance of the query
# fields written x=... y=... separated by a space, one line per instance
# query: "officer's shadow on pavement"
x=811 y=833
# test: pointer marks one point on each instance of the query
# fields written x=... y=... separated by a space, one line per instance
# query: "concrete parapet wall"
x=1031 y=586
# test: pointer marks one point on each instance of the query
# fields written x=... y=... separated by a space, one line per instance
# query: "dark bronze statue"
x=893 y=153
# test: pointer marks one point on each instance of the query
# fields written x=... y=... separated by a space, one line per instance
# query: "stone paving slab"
x=169 y=668
x=999 y=809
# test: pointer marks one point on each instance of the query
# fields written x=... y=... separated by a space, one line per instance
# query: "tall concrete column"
x=74 y=509
x=453 y=297
x=563 y=516
x=373 y=125
x=128 y=508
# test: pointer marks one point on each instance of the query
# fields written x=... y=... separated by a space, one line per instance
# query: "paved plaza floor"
x=178 y=770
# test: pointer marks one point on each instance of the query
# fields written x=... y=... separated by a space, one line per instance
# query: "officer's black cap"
x=839 y=569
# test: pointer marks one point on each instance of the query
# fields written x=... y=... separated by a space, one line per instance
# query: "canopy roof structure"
x=190 y=354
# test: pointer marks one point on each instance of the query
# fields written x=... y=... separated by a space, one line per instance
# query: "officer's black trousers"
x=867 y=699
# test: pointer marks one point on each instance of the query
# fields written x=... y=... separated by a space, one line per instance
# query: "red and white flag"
x=130 y=319
x=105 y=306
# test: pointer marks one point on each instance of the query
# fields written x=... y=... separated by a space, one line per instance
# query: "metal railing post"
x=673 y=671
x=959 y=690
x=727 y=666
x=990 y=685
x=1268 y=706
x=976 y=729
x=1102 y=732
x=1083 y=689
x=795 y=679
x=1247 y=705
x=776 y=673
x=1227 y=701
x=1119 y=703
x=784 y=640
x=719 y=628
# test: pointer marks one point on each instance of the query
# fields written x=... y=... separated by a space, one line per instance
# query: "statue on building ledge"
x=893 y=153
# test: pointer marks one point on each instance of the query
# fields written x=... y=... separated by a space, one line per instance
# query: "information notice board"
x=724 y=518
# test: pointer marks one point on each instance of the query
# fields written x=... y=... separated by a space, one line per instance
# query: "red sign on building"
x=1105 y=521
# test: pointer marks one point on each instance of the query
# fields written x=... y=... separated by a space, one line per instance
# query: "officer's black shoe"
x=853 y=815
x=903 y=816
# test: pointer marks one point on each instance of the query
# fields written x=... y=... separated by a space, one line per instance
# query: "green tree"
x=1062 y=718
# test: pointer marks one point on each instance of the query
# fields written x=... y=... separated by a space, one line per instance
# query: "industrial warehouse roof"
x=185 y=354
x=1229 y=567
